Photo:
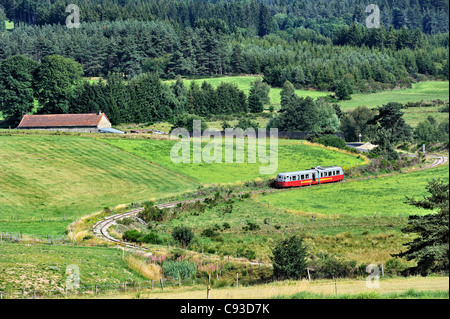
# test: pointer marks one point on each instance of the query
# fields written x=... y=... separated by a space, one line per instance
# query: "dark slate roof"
x=61 y=120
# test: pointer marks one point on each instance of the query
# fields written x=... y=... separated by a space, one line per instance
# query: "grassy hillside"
x=381 y=196
x=43 y=267
x=426 y=91
x=73 y=176
x=292 y=155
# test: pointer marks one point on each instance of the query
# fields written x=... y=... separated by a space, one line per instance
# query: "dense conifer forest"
x=133 y=44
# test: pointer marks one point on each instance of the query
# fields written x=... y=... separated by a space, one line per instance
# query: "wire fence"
x=93 y=290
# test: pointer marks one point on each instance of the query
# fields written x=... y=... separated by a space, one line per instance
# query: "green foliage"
x=431 y=248
x=331 y=267
x=16 y=87
x=54 y=83
x=179 y=269
x=289 y=259
x=183 y=235
x=153 y=213
x=331 y=140
x=132 y=235
x=187 y=121
x=343 y=90
x=430 y=131
x=355 y=122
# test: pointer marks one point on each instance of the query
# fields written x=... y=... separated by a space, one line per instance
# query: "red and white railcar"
x=313 y=176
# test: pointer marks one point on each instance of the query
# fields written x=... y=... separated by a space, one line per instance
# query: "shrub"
x=183 y=269
x=251 y=226
x=331 y=140
x=183 y=235
x=330 y=266
x=246 y=253
x=210 y=232
x=131 y=235
x=152 y=238
x=289 y=258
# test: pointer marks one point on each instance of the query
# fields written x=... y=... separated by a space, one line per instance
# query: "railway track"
x=100 y=229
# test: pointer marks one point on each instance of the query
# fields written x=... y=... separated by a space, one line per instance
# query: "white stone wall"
x=104 y=123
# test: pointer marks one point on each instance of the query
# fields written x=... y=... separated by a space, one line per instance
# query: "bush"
x=246 y=253
x=183 y=235
x=183 y=269
x=331 y=140
x=210 y=233
x=153 y=213
x=250 y=226
x=289 y=258
x=330 y=266
x=131 y=236
x=152 y=238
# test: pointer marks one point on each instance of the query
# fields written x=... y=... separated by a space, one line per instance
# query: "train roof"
x=313 y=169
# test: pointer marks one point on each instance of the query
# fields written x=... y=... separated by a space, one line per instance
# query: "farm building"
x=84 y=123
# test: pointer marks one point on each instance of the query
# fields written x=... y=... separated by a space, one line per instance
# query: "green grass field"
x=43 y=267
x=73 y=176
x=414 y=115
x=426 y=91
x=292 y=155
x=9 y=25
x=382 y=196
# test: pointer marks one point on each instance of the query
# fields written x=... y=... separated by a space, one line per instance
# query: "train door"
x=314 y=177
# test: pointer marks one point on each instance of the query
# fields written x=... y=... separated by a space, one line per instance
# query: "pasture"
x=422 y=91
x=55 y=176
x=292 y=155
x=383 y=196
x=43 y=267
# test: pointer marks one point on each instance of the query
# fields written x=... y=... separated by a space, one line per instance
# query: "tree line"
x=261 y=17
x=301 y=56
x=58 y=86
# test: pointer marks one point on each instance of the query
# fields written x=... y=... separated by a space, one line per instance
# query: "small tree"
x=431 y=248
x=289 y=258
x=343 y=90
x=183 y=235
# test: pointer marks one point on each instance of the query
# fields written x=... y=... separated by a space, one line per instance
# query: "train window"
x=307 y=176
x=294 y=178
x=303 y=177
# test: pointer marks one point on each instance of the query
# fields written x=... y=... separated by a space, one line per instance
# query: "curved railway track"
x=100 y=229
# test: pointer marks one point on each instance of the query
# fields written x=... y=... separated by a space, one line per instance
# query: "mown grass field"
x=382 y=196
x=414 y=115
x=71 y=176
x=292 y=155
x=426 y=91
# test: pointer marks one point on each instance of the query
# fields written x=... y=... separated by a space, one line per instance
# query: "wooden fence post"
x=162 y=284
x=208 y=292
x=152 y=284
x=237 y=279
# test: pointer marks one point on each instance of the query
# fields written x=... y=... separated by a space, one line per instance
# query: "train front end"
x=281 y=181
